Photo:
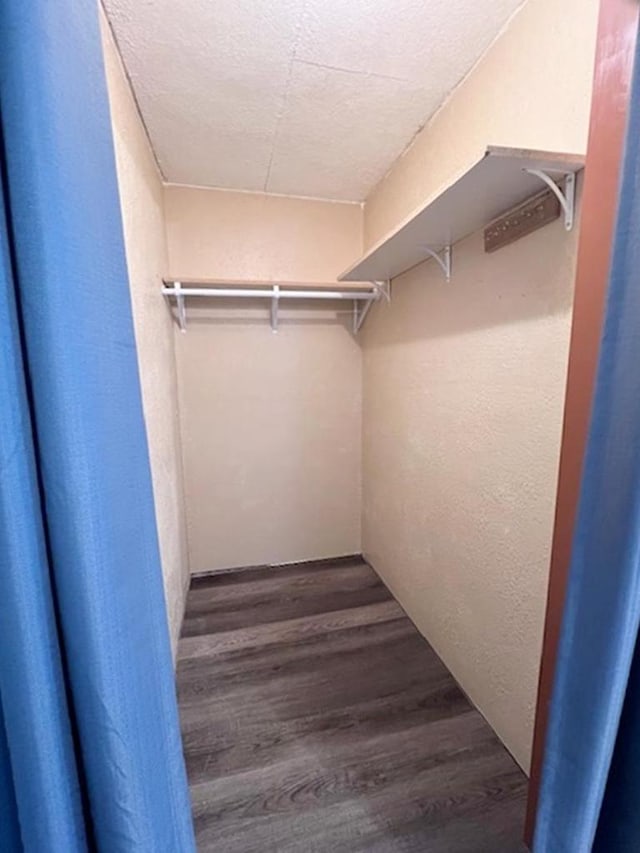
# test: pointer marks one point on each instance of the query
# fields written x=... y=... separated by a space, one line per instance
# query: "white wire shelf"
x=362 y=296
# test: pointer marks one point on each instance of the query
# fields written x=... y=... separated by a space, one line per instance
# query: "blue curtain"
x=590 y=793
x=90 y=752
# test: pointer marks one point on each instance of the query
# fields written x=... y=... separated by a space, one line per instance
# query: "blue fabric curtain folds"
x=590 y=793
x=31 y=673
x=90 y=751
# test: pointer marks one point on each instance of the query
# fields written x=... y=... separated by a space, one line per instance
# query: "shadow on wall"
x=527 y=280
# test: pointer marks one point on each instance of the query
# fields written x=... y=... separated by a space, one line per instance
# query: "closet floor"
x=316 y=718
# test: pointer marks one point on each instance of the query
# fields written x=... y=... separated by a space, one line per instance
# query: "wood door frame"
x=615 y=50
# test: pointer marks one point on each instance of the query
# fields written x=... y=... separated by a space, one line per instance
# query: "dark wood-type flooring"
x=316 y=718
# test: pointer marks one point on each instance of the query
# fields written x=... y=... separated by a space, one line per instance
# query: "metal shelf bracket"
x=383 y=288
x=182 y=314
x=355 y=325
x=359 y=314
x=275 y=304
x=567 y=198
x=443 y=258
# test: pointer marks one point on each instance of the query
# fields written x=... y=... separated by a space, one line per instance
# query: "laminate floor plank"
x=291 y=631
x=253 y=600
x=316 y=718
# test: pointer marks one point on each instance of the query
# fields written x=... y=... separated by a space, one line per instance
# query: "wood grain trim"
x=523 y=219
x=615 y=48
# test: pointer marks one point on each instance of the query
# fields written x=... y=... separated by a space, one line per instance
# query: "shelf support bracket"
x=275 y=302
x=566 y=198
x=359 y=315
x=383 y=289
x=182 y=314
x=443 y=258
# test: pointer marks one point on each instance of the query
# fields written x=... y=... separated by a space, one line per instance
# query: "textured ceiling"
x=302 y=97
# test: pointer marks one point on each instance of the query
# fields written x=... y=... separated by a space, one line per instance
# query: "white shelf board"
x=490 y=187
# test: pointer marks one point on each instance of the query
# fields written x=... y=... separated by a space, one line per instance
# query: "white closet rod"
x=269 y=293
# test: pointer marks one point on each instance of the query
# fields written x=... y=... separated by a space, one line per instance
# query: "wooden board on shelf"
x=488 y=188
x=526 y=217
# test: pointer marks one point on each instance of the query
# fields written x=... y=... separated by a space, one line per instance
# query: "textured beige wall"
x=532 y=89
x=464 y=382
x=463 y=400
x=222 y=234
x=271 y=424
x=142 y=211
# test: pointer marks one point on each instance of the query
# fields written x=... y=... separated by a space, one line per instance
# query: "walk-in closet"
x=319 y=426
x=356 y=370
